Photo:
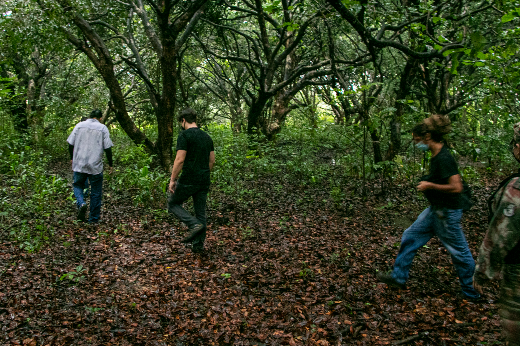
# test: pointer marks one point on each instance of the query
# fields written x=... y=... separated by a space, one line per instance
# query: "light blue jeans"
x=445 y=224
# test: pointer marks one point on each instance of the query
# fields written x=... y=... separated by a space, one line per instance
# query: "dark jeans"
x=96 y=192
x=199 y=194
x=86 y=190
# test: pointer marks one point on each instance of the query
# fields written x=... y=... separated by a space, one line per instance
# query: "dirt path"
x=288 y=269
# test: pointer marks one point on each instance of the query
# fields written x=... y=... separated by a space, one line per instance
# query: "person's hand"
x=424 y=185
x=171 y=188
x=110 y=170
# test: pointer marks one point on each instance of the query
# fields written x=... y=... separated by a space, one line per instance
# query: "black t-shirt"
x=442 y=167
x=198 y=144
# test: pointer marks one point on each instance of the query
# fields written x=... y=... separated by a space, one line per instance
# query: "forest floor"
x=286 y=268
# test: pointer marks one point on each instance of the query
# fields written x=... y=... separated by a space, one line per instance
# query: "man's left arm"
x=177 y=167
x=107 y=147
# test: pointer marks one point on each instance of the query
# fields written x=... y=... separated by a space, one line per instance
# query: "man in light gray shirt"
x=87 y=142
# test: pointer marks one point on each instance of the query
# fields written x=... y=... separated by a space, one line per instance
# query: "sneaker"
x=82 y=212
x=193 y=233
x=389 y=280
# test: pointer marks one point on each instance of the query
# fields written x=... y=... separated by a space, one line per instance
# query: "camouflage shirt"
x=503 y=233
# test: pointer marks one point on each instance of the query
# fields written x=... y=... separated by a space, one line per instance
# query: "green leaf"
x=508 y=17
x=436 y=19
x=454 y=65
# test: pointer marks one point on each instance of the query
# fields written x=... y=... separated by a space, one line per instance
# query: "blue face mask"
x=422 y=147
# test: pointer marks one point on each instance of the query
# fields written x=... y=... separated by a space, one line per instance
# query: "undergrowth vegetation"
x=34 y=194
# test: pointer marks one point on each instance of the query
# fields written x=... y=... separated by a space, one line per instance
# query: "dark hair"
x=436 y=125
x=84 y=118
x=189 y=115
x=96 y=113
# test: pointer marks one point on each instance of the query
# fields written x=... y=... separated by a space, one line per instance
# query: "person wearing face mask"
x=499 y=254
x=442 y=187
x=196 y=158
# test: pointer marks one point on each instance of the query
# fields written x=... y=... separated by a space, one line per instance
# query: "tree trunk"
x=254 y=117
x=376 y=145
x=271 y=127
x=395 y=123
x=167 y=105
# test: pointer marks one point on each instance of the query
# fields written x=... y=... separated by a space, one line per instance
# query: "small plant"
x=92 y=309
x=74 y=276
x=247 y=233
x=306 y=273
x=334 y=257
x=337 y=195
x=225 y=275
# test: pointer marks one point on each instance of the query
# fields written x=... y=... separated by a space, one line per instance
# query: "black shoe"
x=389 y=280
x=194 y=232
x=82 y=212
x=198 y=249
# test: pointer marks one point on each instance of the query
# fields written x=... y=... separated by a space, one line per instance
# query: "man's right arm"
x=71 y=151
x=108 y=152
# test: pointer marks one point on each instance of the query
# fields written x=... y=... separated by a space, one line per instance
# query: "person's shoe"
x=464 y=296
x=198 y=249
x=193 y=233
x=82 y=212
x=389 y=280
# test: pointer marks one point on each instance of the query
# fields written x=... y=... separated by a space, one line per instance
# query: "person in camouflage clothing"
x=500 y=251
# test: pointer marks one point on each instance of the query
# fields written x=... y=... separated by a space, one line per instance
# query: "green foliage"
x=135 y=176
x=29 y=195
x=74 y=276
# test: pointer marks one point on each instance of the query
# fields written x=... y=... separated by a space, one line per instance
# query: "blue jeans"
x=445 y=224
x=86 y=190
x=96 y=192
x=199 y=194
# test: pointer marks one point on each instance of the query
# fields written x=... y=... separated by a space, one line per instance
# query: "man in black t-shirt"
x=195 y=157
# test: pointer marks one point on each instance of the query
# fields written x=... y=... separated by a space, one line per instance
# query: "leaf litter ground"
x=288 y=267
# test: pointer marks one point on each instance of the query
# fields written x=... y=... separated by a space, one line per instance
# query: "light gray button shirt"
x=90 y=138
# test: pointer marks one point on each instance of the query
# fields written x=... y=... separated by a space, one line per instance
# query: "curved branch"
x=148 y=29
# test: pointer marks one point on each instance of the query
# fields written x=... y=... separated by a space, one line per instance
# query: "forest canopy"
x=260 y=65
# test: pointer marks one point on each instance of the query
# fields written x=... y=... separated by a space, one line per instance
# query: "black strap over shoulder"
x=492 y=197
